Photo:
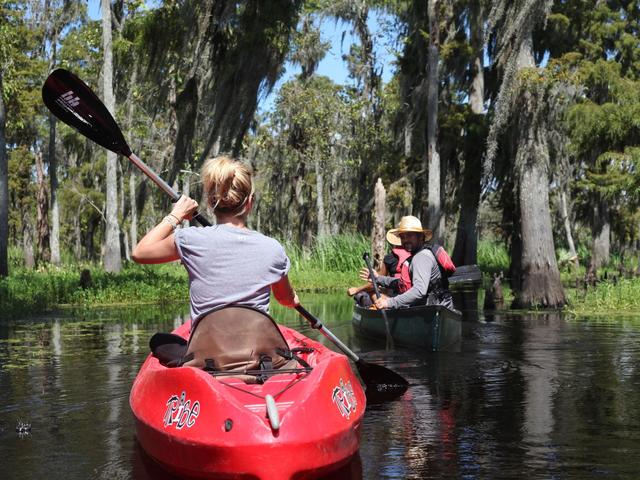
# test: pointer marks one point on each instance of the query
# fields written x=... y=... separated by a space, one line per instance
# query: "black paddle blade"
x=382 y=384
x=74 y=103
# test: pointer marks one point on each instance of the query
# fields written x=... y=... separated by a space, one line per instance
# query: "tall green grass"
x=30 y=291
x=606 y=298
x=493 y=257
x=339 y=253
x=331 y=263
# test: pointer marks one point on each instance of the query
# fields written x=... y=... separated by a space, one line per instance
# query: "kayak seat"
x=241 y=342
x=169 y=349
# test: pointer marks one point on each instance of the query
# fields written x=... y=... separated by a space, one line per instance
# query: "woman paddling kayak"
x=227 y=263
x=236 y=395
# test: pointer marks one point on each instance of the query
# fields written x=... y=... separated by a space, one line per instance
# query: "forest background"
x=510 y=127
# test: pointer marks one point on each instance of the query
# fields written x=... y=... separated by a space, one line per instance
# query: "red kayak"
x=251 y=399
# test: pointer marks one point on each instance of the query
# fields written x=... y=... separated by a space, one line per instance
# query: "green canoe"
x=432 y=327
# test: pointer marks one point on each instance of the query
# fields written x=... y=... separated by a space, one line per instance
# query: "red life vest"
x=403 y=270
x=444 y=260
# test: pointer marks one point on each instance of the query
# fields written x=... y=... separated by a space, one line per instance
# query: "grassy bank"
x=606 y=298
x=330 y=264
x=36 y=291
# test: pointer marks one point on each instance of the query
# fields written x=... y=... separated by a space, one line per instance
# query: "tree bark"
x=4 y=189
x=27 y=243
x=322 y=224
x=465 y=251
x=133 y=225
x=133 y=229
x=186 y=106
x=434 y=219
x=53 y=172
x=378 y=242
x=566 y=221
x=601 y=233
x=53 y=180
x=299 y=195
x=112 y=254
x=539 y=270
x=77 y=234
x=43 y=254
x=537 y=281
x=124 y=235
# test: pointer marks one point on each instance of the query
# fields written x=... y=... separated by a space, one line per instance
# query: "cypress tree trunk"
x=432 y=160
x=124 y=235
x=186 y=106
x=322 y=223
x=53 y=180
x=43 y=254
x=378 y=242
x=53 y=173
x=112 y=255
x=77 y=235
x=540 y=285
x=601 y=233
x=564 y=212
x=302 y=210
x=27 y=243
x=465 y=251
x=4 y=190
x=537 y=279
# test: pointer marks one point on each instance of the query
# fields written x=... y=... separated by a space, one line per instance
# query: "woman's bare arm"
x=284 y=293
x=158 y=245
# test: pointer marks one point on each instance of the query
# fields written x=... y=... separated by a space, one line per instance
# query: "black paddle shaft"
x=374 y=281
x=381 y=383
x=74 y=103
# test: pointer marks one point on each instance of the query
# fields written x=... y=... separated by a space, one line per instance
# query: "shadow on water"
x=528 y=394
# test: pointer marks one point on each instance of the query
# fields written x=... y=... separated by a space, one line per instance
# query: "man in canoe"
x=227 y=263
x=420 y=280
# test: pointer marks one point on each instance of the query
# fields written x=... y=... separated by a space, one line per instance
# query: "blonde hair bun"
x=228 y=184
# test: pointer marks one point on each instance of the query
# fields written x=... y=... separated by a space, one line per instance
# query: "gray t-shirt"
x=229 y=265
x=424 y=269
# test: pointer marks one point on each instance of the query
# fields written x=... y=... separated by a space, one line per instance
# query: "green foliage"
x=606 y=298
x=604 y=129
x=331 y=263
x=339 y=253
x=29 y=291
x=493 y=257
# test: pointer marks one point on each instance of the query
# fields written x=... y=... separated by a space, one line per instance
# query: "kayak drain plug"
x=228 y=424
x=272 y=412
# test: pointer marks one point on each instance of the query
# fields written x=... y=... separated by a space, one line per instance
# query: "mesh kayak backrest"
x=235 y=338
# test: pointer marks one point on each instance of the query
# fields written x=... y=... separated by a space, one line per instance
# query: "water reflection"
x=535 y=395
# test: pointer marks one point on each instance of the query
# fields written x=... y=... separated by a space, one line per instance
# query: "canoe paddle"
x=381 y=383
x=74 y=103
x=367 y=260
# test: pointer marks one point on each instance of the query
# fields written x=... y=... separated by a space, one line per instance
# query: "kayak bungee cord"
x=263 y=397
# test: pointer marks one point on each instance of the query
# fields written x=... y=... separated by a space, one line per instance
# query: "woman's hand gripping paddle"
x=74 y=103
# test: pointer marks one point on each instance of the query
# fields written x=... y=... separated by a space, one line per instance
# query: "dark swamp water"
x=526 y=396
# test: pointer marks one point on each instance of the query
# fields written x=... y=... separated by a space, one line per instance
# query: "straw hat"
x=407 y=224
